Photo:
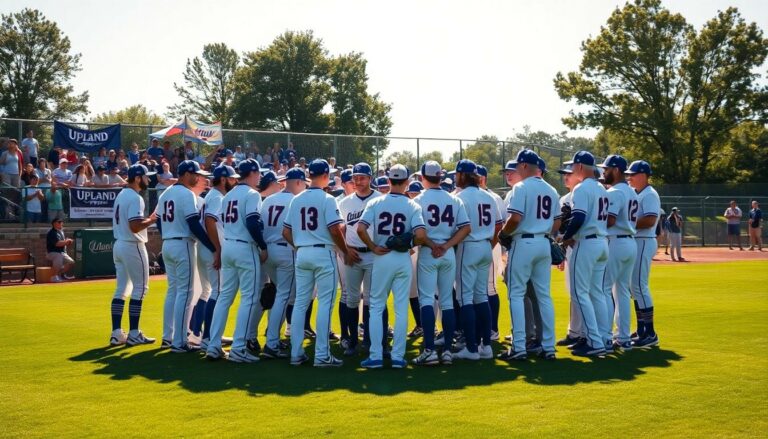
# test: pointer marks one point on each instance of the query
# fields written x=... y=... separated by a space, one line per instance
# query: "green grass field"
x=709 y=377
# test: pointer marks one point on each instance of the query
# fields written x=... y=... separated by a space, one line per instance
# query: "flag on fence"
x=194 y=131
x=71 y=137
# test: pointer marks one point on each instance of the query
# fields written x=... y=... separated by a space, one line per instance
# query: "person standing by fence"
x=675 y=233
x=30 y=148
x=755 y=227
x=733 y=217
x=11 y=162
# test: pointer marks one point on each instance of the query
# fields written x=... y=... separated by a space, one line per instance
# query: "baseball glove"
x=558 y=252
x=401 y=243
x=565 y=218
x=268 y=293
x=505 y=240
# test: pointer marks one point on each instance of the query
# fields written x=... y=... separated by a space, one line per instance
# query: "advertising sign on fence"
x=70 y=137
x=91 y=203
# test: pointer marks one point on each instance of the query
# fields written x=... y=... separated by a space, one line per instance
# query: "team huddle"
x=435 y=243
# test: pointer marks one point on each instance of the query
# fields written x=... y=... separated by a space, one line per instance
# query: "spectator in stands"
x=154 y=152
x=676 y=234
x=148 y=162
x=115 y=180
x=80 y=177
x=112 y=159
x=134 y=154
x=165 y=179
x=72 y=159
x=11 y=164
x=733 y=217
x=257 y=155
x=101 y=158
x=33 y=197
x=56 y=244
x=122 y=166
x=239 y=154
x=62 y=175
x=332 y=162
x=168 y=152
x=53 y=196
x=30 y=147
x=53 y=156
x=189 y=150
x=27 y=174
x=101 y=179
x=755 y=227
x=43 y=173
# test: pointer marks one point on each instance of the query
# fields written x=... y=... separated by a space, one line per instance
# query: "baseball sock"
x=352 y=320
x=493 y=302
x=428 y=322
x=134 y=312
x=385 y=325
x=343 y=320
x=483 y=316
x=415 y=310
x=288 y=312
x=209 y=307
x=468 y=325
x=640 y=320
x=458 y=307
x=366 y=319
x=449 y=326
x=648 y=314
x=308 y=316
x=198 y=317
x=117 y=312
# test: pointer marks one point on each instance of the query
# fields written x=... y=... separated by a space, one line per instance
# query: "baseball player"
x=474 y=257
x=414 y=189
x=586 y=233
x=358 y=275
x=129 y=227
x=649 y=205
x=533 y=215
x=622 y=252
x=280 y=263
x=240 y=264
x=496 y=266
x=391 y=215
x=313 y=226
x=179 y=221
x=382 y=185
x=447 y=224
x=201 y=285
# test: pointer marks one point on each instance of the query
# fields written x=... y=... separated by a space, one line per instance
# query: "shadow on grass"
x=195 y=374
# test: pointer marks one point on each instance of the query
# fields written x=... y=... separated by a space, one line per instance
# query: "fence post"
x=417 y=153
x=701 y=218
x=377 y=154
x=335 y=145
x=461 y=150
x=21 y=135
x=503 y=153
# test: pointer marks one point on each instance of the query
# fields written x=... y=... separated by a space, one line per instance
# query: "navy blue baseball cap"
x=294 y=174
x=415 y=187
x=527 y=156
x=267 y=178
x=319 y=167
x=362 y=169
x=225 y=171
x=431 y=168
x=639 y=167
x=332 y=183
x=583 y=158
x=382 y=182
x=466 y=166
x=482 y=170
x=283 y=162
x=542 y=165
x=566 y=169
x=224 y=153
x=511 y=166
x=614 y=161
x=346 y=176
x=268 y=166
x=447 y=185
x=138 y=170
x=190 y=166
x=247 y=166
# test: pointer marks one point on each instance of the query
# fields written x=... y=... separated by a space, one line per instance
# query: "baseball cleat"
x=533 y=347
x=165 y=344
x=298 y=361
x=586 y=350
x=635 y=336
x=460 y=343
x=609 y=347
x=494 y=335
x=647 y=342
x=464 y=354
x=623 y=346
x=242 y=356
x=439 y=340
x=331 y=361
x=183 y=349
x=582 y=342
x=138 y=339
x=549 y=356
x=344 y=343
x=309 y=333
x=416 y=332
x=568 y=340
x=213 y=354
x=283 y=345
x=371 y=364
x=332 y=336
x=399 y=364
x=194 y=339
x=486 y=352
x=446 y=357
x=511 y=355
x=269 y=352
x=253 y=346
x=426 y=358
x=118 y=338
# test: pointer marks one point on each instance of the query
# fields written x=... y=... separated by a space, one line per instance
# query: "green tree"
x=135 y=114
x=667 y=92
x=36 y=68
x=355 y=111
x=208 y=92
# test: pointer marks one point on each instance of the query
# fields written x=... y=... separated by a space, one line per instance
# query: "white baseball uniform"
x=130 y=251
x=392 y=214
x=175 y=205
x=622 y=252
x=530 y=257
x=589 y=257
x=310 y=215
x=575 y=322
x=649 y=204
x=358 y=276
x=209 y=276
x=497 y=268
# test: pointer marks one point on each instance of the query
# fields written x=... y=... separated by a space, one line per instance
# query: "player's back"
x=235 y=206
x=648 y=204
x=536 y=202
x=591 y=198
x=442 y=212
x=273 y=210
x=212 y=209
x=174 y=206
x=482 y=211
x=309 y=216
x=623 y=203
x=351 y=208
x=392 y=214
x=128 y=206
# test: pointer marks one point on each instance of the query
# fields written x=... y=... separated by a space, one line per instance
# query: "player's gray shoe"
x=242 y=356
x=165 y=344
x=426 y=358
x=486 y=352
x=298 y=361
x=138 y=339
x=622 y=346
x=647 y=342
x=494 y=335
x=464 y=354
x=586 y=350
x=117 y=338
x=330 y=361
x=511 y=355
x=399 y=364
x=185 y=349
x=446 y=357
x=214 y=353
x=269 y=352
x=533 y=347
